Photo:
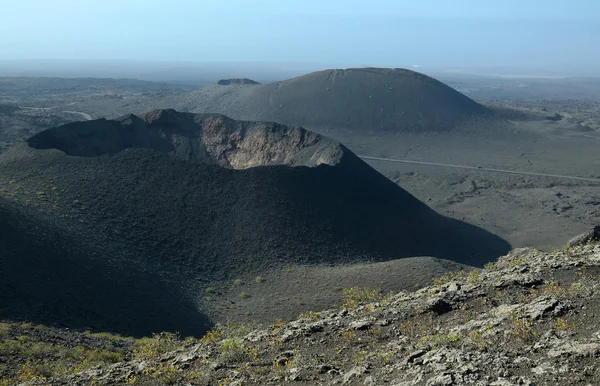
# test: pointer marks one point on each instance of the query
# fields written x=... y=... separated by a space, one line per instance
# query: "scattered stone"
x=502 y=382
x=384 y=322
x=354 y=373
x=403 y=383
x=414 y=355
x=257 y=336
x=575 y=349
x=294 y=375
x=288 y=335
x=540 y=306
x=324 y=368
x=314 y=327
x=592 y=234
x=439 y=306
x=524 y=280
x=361 y=324
x=283 y=358
x=441 y=380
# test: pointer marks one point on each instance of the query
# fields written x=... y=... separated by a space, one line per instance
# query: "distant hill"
x=17 y=124
x=236 y=81
x=198 y=198
x=358 y=98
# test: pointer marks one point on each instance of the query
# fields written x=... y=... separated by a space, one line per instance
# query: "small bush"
x=259 y=279
x=348 y=335
x=166 y=373
x=523 y=328
x=309 y=315
x=354 y=296
x=236 y=330
x=4 y=328
x=279 y=324
x=108 y=336
x=448 y=277
x=474 y=277
x=156 y=346
x=553 y=288
x=234 y=351
x=517 y=261
x=577 y=289
x=490 y=266
x=212 y=337
x=562 y=324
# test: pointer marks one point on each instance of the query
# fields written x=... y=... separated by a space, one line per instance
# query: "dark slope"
x=57 y=276
x=359 y=98
x=226 y=208
x=200 y=198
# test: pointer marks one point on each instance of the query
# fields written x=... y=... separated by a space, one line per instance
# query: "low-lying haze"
x=512 y=37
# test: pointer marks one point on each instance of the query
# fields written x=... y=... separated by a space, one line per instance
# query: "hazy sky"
x=442 y=33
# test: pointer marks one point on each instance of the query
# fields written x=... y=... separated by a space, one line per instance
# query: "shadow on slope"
x=157 y=206
x=51 y=276
x=213 y=220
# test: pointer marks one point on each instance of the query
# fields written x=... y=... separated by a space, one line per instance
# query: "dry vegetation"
x=530 y=318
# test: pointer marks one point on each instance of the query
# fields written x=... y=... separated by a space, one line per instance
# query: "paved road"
x=87 y=116
x=39 y=108
x=588 y=179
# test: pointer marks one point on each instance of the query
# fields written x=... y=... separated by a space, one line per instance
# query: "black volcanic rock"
x=359 y=99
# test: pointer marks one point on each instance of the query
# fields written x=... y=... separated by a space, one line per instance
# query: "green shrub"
x=234 y=351
x=354 y=296
x=156 y=346
x=4 y=328
x=108 y=336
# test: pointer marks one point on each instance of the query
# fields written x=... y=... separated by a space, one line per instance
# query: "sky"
x=428 y=33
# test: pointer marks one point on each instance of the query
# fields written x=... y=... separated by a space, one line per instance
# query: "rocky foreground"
x=529 y=319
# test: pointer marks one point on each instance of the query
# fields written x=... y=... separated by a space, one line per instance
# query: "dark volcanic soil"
x=58 y=276
x=370 y=99
x=201 y=198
